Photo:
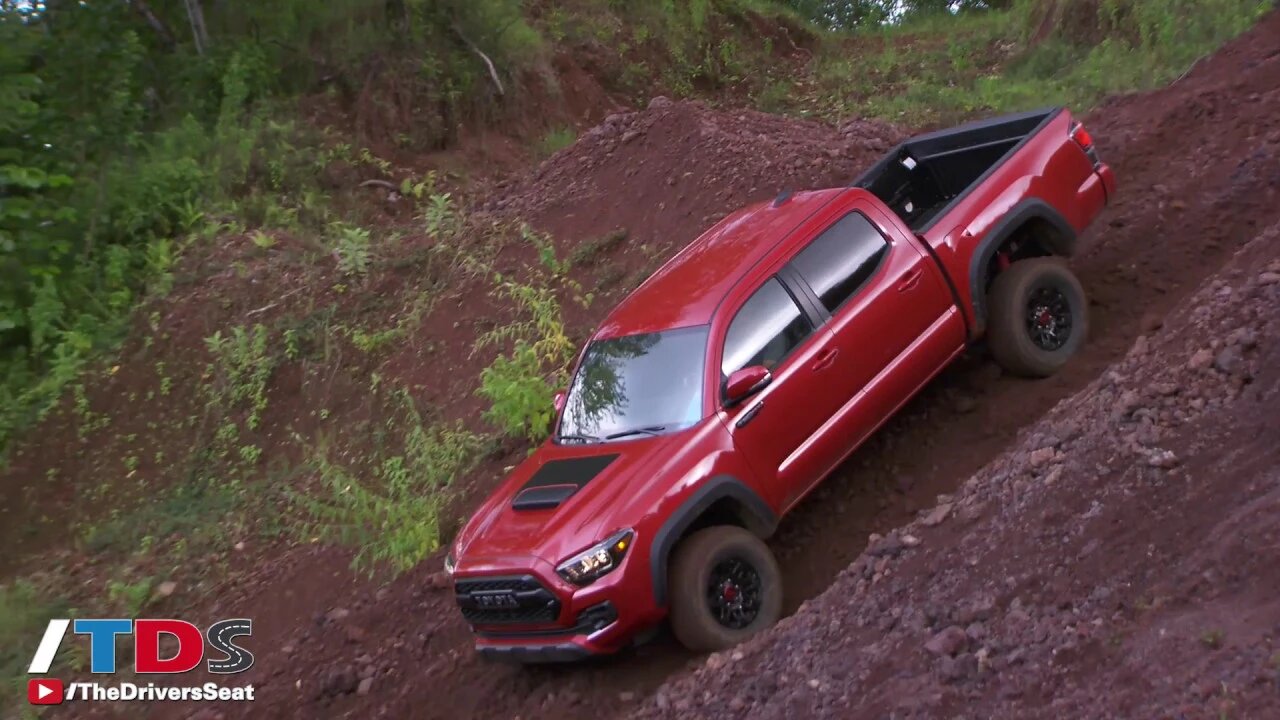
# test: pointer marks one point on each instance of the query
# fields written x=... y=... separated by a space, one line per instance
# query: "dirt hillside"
x=671 y=170
x=1199 y=167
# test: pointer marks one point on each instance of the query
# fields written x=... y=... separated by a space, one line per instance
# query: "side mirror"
x=558 y=400
x=746 y=382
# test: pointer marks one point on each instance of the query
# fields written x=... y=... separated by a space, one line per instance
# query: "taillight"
x=1082 y=138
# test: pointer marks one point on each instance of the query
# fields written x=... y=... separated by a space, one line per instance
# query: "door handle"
x=910 y=281
x=825 y=359
x=750 y=414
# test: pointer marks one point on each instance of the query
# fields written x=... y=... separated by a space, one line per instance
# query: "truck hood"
x=563 y=499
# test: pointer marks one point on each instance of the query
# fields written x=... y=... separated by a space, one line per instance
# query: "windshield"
x=638 y=384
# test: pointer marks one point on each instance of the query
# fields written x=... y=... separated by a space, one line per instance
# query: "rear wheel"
x=725 y=587
x=1039 y=317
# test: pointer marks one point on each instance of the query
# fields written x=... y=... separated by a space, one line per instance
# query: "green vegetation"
x=239 y=372
x=128 y=137
x=589 y=252
x=396 y=520
x=25 y=611
x=556 y=140
x=849 y=14
x=130 y=597
x=937 y=68
x=125 y=138
x=519 y=385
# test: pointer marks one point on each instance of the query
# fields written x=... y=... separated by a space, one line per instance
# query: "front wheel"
x=725 y=587
x=1038 y=317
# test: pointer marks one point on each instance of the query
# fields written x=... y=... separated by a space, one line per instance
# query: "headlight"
x=450 y=563
x=597 y=560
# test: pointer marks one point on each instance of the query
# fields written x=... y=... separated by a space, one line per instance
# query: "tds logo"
x=146 y=638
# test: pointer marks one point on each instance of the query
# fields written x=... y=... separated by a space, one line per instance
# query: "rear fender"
x=1061 y=243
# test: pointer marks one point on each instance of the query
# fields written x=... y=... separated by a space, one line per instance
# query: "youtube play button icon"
x=44 y=691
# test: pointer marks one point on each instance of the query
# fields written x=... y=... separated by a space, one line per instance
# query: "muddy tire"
x=725 y=587
x=1038 y=317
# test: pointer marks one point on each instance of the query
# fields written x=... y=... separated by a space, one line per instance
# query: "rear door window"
x=840 y=260
x=767 y=328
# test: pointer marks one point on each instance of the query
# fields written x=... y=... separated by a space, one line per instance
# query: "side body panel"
x=1048 y=177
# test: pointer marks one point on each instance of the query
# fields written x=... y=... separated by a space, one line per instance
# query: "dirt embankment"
x=668 y=172
x=1199 y=165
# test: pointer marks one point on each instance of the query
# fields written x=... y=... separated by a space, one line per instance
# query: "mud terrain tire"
x=1039 y=317
x=725 y=587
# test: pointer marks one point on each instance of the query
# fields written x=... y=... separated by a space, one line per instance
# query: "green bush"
x=393 y=518
x=519 y=394
x=520 y=384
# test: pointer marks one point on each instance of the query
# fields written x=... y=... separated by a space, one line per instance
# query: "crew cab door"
x=772 y=327
x=893 y=318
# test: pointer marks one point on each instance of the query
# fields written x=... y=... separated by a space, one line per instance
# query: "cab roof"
x=689 y=287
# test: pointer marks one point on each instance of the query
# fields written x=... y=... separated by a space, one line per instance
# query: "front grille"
x=506 y=601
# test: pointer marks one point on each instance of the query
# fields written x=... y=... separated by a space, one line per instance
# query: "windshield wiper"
x=579 y=438
x=651 y=430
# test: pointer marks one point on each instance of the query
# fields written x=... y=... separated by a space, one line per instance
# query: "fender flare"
x=1029 y=209
x=761 y=520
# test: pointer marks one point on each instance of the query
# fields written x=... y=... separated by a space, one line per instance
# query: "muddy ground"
x=1071 y=565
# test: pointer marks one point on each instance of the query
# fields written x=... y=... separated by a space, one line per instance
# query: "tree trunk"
x=166 y=35
x=196 y=15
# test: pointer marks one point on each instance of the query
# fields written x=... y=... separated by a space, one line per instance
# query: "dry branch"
x=493 y=72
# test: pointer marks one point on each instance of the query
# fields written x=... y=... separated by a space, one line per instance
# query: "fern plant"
x=351 y=248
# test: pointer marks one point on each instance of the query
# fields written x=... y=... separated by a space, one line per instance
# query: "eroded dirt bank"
x=1199 y=165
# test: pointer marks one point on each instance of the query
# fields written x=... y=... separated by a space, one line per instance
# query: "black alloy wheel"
x=1048 y=318
x=733 y=593
x=1037 y=317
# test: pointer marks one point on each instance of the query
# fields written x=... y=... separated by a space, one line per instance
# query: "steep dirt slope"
x=1198 y=167
x=1121 y=560
x=671 y=170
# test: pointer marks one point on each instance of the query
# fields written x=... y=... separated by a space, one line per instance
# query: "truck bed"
x=925 y=175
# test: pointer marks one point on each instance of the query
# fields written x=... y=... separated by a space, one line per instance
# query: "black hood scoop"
x=558 y=480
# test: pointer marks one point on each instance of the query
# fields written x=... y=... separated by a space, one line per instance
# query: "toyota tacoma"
x=721 y=391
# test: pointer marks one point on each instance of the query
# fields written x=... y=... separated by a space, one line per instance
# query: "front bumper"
x=554 y=621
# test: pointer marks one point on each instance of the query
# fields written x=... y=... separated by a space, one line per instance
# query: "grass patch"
x=556 y=140
x=590 y=252
x=25 y=612
x=942 y=69
x=192 y=516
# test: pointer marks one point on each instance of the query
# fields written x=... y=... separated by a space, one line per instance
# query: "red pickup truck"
x=724 y=388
